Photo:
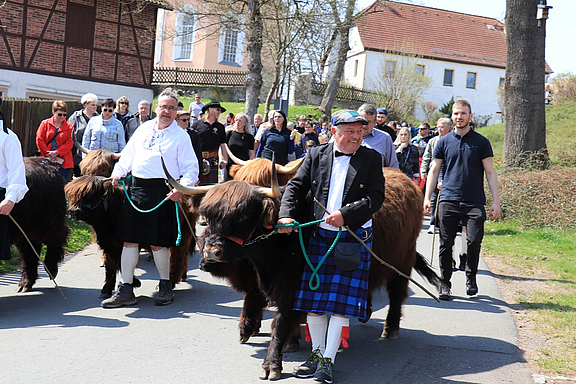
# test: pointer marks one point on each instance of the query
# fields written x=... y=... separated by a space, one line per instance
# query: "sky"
x=560 y=26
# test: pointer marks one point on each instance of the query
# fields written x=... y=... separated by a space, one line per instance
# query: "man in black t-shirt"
x=213 y=137
x=381 y=118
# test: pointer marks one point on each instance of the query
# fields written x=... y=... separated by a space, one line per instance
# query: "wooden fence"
x=24 y=116
x=346 y=92
x=197 y=77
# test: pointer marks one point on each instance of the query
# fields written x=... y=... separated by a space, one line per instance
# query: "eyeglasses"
x=424 y=129
x=122 y=102
x=107 y=110
x=184 y=120
x=279 y=117
x=61 y=114
x=167 y=107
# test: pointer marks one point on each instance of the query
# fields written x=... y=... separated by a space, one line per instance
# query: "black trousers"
x=4 y=240
x=473 y=216
x=433 y=203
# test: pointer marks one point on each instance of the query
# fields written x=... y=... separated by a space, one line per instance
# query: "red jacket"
x=45 y=133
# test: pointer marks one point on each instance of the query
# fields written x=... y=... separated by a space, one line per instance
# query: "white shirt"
x=338 y=175
x=12 y=171
x=196 y=108
x=148 y=144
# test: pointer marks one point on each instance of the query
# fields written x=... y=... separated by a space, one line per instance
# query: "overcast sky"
x=560 y=27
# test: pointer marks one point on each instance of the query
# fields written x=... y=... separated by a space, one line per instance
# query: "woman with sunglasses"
x=54 y=139
x=122 y=110
x=105 y=131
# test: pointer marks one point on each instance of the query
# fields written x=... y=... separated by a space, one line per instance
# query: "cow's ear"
x=268 y=212
x=233 y=170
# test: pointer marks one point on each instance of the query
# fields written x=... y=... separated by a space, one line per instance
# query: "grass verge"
x=539 y=270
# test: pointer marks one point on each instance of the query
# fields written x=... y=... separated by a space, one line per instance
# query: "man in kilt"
x=12 y=183
x=213 y=137
x=347 y=179
x=153 y=140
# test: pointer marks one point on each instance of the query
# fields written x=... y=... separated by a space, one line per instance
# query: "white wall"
x=483 y=98
x=24 y=85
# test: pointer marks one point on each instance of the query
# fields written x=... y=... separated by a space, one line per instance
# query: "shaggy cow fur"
x=42 y=216
x=94 y=200
x=258 y=172
x=99 y=163
x=278 y=260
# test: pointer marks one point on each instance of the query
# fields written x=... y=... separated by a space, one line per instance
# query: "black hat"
x=213 y=104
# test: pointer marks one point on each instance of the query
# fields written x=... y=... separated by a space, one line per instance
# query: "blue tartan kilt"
x=340 y=292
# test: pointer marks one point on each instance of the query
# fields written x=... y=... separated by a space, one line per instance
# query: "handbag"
x=347 y=256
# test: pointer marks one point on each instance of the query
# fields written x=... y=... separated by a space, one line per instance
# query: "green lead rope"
x=179 y=238
x=314 y=276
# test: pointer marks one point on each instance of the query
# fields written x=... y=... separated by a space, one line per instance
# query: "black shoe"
x=471 y=286
x=324 y=372
x=124 y=296
x=308 y=369
x=444 y=292
x=454 y=265
x=462 y=265
x=166 y=294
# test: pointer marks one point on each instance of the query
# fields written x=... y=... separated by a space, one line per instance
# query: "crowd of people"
x=448 y=162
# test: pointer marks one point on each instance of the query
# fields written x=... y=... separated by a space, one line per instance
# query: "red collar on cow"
x=238 y=240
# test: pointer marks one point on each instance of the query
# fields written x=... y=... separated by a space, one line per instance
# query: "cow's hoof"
x=244 y=338
x=263 y=374
x=275 y=374
x=105 y=295
x=292 y=347
x=390 y=335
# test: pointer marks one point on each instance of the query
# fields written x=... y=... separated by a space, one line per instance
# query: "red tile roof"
x=434 y=33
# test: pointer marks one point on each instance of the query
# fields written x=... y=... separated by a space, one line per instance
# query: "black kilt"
x=159 y=227
x=4 y=240
x=212 y=177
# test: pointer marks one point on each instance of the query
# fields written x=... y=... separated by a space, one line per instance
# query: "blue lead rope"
x=297 y=225
x=179 y=238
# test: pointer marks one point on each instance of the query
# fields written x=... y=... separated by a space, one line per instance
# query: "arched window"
x=183 y=48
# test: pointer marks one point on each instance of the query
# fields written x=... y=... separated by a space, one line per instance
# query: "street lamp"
x=542 y=13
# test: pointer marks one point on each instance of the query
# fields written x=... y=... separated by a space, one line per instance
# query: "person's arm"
x=122 y=137
x=431 y=184
x=492 y=179
x=392 y=160
x=40 y=139
x=16 y=176
x=291 y=144
x=426 y=158
x=67 y=143
x=415 y=153
x=87 y=136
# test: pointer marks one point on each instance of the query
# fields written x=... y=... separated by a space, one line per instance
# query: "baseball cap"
x=382 y=110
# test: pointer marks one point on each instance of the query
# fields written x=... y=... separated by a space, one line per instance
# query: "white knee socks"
x=317 y=328
x=162 y=261
x=335 y=335
x=128 y=263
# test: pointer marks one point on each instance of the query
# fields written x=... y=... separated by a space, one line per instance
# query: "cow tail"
x=424 y=270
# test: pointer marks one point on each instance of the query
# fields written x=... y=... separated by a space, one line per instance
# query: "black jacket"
x=363 y=192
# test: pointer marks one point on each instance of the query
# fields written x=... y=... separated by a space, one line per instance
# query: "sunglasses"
x=123 y=102
x=107 y=110
x=185 y=120
x=61 y=114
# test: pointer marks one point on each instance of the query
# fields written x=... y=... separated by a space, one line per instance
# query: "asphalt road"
x=46 y=339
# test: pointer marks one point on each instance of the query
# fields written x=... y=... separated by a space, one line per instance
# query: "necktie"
x=338 y=153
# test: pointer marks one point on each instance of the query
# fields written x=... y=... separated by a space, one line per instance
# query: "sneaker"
x=430 y=229
x=324 y=372
x=309 y=367
x=166 y=294
x=124 y=296
x=462 y=265
x=445 y=292
x=471 y=286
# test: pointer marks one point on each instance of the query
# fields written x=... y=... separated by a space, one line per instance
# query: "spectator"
x=309 y=134
x=407 y=154
x=183 y=121
x=422 y=139
x=323 y=138
x=301 y=124
x=137 y=119
x=180 y=106
x=196 y=109
x=79 y=119
x=394 y=126
x=105 y=131
x=380 y=141
x=240 y=142
x=257 y=121
x=381 y=117
x=309 y=144
x=54 y=139
x=278 y=140
x=264 y=126
x=122 y=110
x=297 y=150
x=229 y=119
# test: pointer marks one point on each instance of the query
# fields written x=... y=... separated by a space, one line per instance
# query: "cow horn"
x=234 y=158
x=78 y=146
x=116 y=156
x=290 y=170
x=273 y=191
x=180 y=187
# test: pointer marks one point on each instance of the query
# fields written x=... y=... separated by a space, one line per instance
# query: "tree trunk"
x=343 y=48
x=525 y=132
x=254 y=48
x=274 y=86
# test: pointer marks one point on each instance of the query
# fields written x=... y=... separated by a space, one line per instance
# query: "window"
x=231 y=46
x=80 y=22
x=501 y=81
x=471 y=80
x=184 y=34
x=449 y=77
x=355 y=68
x=420 y=69
x=389 y=68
